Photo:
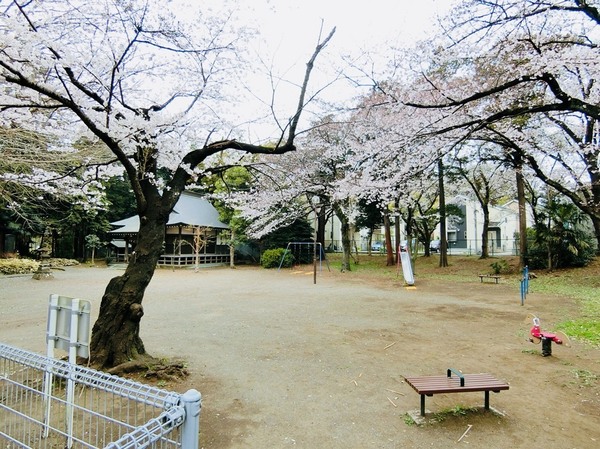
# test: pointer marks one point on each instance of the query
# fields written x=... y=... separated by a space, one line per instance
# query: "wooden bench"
x=489 y=276
x=460 y=383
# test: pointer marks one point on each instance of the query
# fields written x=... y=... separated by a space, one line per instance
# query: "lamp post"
x=316 y=207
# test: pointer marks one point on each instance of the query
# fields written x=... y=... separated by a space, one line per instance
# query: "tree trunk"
x=443 y=233
x=346 y=241
x=388 y=240
x=596 y=224
x=485 y=253
x=232 y=250
x=522 y=212
x=321 y=223
x=397 y=237
x=115 y=335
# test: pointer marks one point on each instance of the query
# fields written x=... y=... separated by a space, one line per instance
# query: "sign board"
x=68 y=329
x=69 y=325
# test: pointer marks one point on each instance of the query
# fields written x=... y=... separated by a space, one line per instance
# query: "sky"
x=289 y=30
x=290 y=27
x=359 y=23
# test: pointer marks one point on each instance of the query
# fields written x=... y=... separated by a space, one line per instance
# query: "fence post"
x=524 y=284
x=190 y=429
x=51 y=343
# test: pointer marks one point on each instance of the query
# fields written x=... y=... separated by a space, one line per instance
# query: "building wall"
x=464 y=235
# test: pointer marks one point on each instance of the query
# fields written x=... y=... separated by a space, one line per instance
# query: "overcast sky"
x=290 y=29
x=291 y=26
x=359 y=22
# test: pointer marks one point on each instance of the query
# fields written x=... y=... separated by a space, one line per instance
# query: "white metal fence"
x=107 y=411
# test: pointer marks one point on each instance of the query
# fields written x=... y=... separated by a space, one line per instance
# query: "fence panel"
x=108 y=411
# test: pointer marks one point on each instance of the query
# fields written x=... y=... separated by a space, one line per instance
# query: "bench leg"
x=486 y=404
x=422 y=405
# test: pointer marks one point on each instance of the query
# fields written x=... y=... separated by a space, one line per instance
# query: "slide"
x=409 y=278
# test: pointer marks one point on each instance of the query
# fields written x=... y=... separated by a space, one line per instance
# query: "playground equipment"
x=524 y=285
x=406 y=263
x=304 y=253
x=538 y=336
x=407 y=271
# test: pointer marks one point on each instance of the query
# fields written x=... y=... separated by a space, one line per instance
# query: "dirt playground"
x=281 y=362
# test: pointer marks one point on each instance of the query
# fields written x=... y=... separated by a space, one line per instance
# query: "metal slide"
x=409 y=278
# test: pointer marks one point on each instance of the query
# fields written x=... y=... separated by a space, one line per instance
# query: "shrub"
x=26 y=266
x=574 y=250
x=271 y=258
x=561 y=237
x=18 y=266
x=500 y=266
x=56 y=262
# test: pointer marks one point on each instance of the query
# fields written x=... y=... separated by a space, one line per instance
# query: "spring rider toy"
x=546 y=338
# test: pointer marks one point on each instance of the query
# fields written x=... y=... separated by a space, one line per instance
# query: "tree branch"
x=309 y=67
x=192 y=159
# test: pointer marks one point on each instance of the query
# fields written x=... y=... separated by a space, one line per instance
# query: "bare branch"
x=309 y=67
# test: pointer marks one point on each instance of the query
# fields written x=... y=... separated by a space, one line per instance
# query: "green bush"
x=575 y=249
x=561 y=237
x=500 y=267
x=271 y=258
x=18 y=266
x=26 y=266
x=57 y=262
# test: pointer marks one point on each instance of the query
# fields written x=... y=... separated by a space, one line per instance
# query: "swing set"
x=304 y=253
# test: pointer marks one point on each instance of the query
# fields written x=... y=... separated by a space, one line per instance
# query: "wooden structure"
x=191 y=238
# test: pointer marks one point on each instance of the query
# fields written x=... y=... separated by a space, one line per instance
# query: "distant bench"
x=489 y=276
x=461 y=383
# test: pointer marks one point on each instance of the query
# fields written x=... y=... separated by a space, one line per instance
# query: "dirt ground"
x=281 y=362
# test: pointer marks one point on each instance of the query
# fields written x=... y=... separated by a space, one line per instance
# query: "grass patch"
x=585 y=378
x=580 y=284
x=582 y=329
x=456 y=411
x=531 y=351
x=408 y=420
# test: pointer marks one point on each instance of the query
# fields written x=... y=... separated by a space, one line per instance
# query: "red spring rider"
x=546 y=338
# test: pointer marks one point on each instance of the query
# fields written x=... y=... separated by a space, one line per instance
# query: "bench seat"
x=489 y=276
x=461 y=383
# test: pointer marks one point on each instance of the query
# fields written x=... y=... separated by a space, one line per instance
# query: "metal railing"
x=107 y=411
x=178 y=260
x=471 y=247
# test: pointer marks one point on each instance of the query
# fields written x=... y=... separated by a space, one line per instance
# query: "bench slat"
x=430 y=385
x=439 y=384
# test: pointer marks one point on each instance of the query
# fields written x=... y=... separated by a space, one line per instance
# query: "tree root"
x=153 y=369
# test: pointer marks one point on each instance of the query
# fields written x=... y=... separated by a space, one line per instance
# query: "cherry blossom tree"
x=149 y=86
x=489 y=184
x=286 y=188
x=44 y=191
x=524 y=68
x=32 y=172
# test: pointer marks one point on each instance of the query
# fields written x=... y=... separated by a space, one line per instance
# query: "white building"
x=463 y=234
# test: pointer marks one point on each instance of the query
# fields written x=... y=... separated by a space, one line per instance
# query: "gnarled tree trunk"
x=115 y=335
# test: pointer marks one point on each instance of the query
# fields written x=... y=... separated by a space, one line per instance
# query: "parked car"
x=377 y=246
x=434 y=246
